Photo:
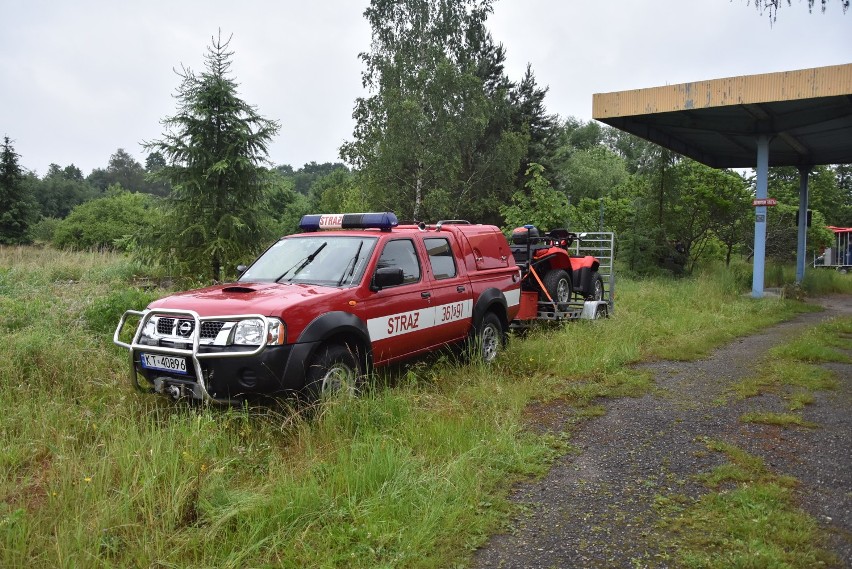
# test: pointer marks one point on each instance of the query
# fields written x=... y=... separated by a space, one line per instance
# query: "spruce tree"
x=214 y=148
x=17 y=210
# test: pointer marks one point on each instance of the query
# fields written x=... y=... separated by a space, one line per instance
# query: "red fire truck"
x=317 y=309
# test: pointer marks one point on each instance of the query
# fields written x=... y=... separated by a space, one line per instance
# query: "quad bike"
x=549 y=268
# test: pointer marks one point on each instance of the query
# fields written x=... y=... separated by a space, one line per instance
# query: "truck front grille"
x=184 y=328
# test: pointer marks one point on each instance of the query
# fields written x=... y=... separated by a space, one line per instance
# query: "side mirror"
x=241 y=269
x=387 y=276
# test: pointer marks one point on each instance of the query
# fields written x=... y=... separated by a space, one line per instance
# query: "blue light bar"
x=315 y=222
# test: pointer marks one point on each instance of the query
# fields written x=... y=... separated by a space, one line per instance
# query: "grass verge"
x=92 y=474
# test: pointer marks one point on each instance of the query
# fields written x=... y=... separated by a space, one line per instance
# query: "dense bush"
x=105 y=312
x=44 y=230
x=105 y=222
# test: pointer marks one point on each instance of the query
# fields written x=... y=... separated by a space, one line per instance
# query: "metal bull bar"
x=193 y=354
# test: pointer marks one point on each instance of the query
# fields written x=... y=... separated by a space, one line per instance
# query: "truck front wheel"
x=334 y=369
x=490 y=338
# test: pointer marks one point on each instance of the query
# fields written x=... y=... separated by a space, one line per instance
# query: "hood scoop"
x=239 y=289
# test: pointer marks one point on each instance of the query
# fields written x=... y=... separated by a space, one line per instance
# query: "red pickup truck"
x=318 y=308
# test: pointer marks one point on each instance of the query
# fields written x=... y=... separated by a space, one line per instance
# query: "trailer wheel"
x=334 y=369
x=490 y=338
x=597 y=292
x=558 y=285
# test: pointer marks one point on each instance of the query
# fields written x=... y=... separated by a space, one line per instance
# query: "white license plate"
x=166 y=363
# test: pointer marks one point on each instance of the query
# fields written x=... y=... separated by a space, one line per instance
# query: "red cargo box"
x=529 y=306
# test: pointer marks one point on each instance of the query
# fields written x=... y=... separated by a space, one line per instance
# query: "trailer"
x=564 y=275
x=839 y=255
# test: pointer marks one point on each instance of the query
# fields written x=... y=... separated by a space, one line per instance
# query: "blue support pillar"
x=760 y=217
x=804 y=171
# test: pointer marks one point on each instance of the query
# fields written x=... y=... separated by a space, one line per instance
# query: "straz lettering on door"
x=405 y=322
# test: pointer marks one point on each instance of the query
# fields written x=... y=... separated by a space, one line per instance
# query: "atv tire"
x=558 y=285
x=597 y=290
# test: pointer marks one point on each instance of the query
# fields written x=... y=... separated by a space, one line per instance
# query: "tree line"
x=442 y=133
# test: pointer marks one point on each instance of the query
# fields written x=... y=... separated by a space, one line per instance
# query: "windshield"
x=327 y=260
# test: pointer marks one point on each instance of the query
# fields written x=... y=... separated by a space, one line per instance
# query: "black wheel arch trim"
x=490 y=298
x=332 y=323
x=336 y=323
x=295 y=370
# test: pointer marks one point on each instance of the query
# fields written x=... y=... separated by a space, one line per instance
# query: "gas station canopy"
x=806 y=114
x=793 y=118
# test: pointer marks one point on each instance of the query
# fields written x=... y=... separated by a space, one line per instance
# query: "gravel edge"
x=595 y=508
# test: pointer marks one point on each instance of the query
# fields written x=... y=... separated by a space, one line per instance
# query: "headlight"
x=150 y=328
x=248 y=332
x=149 y=332
x=251 y=332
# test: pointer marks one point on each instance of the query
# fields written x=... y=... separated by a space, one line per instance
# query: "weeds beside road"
x=411 y=475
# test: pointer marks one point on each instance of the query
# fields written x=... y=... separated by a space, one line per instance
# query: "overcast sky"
x=80 y=79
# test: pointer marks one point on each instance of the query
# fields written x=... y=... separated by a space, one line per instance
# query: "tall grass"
x=415 y=475
x=818 y=281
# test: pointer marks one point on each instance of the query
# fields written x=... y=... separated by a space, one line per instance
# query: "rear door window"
x=440 y=258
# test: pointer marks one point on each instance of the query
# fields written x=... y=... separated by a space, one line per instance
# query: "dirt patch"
x=553 y=416
x=595 y=508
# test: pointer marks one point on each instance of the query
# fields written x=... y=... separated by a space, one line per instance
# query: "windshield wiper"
x=303 y=263
x=347 y=272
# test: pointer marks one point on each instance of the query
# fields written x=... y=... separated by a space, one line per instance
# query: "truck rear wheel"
x=558 y=285
x=333 y=370
x=490 y=338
